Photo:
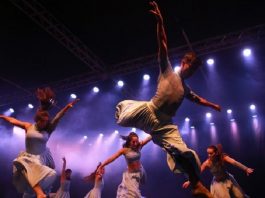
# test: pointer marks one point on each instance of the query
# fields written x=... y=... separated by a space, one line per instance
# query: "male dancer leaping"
x=155 y=116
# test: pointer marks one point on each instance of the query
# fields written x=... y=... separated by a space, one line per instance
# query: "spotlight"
x=18 y=131
x=120 y=83
x=133 y=129
x=232 y=120
x=176 y=68
x=254 y=116
x=210 y=61
x=247 y=52
x=192 y=127
x=95 y=89
x=116 y=132
x=187 y=119
x=85 y=137
x=212 y=123
x=30 y=106
x=229 y=111
x=252 y=107
x=146 y=77
x=11 y=110
x=208 y=115
x=73 y=96
x=101 y=134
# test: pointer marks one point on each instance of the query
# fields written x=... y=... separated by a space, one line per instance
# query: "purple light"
x=120 y=83
x=213 y=133
x=18 y=131
x=252 y=107
x=176 y=68
x=193 y=137
x=95 y=89
x=229 y=111
x=146 y=77
x=234 y=131
x=210 y=61
x=187 y=119
x=247 y=52
x=73 y=96
x=30 y=106
x=208 y=115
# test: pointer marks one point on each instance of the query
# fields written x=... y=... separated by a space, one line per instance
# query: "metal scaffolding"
x=204 y=47
x=58 y=31
x=98 y=71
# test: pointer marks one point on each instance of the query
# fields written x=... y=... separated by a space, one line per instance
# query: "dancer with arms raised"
x=155 y=116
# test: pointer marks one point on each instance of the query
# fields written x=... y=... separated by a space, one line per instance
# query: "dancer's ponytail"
x=46 y=96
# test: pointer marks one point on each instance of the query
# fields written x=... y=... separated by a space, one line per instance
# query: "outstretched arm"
x=63 y=177
x=238 y=164
x=112 y=158
x=161 y=38
x=13 y=121
x=199 y=100
x=60 y=114
x=146 y=140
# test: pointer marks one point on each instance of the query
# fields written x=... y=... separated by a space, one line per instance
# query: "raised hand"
x=217 y=107
x=155 y=11
x=249 y=171
x=71 y=104
x=186 y=184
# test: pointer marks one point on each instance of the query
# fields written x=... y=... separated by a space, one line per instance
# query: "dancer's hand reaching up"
x=249 y=171
x=186 y=184
x=71 y=104
x=155 y=11
x=217 y=107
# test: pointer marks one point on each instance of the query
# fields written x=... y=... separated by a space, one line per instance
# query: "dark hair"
x=46 y=96
x=128 y=139
x=192 y=59
x=40 y=114
x=68 y=171
x=219 y=155
x=92 y=176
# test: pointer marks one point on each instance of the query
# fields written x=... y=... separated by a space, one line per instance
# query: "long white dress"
x=64 y=190
x=95 y=192
x=130 y=185
x=223 y=184
x=35 y=165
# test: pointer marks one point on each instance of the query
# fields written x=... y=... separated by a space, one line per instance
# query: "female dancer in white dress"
x=33 y=169
x=65 y=182
x=135 y=173
x=97 y=178
x=223 y=183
